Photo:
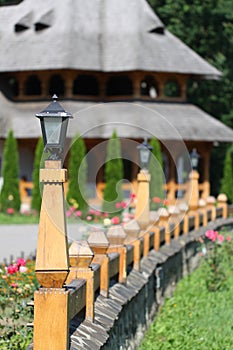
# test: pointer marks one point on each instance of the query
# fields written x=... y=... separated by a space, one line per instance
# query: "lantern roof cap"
x=54 y=109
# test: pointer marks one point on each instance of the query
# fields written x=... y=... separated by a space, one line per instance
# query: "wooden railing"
x=94 y=263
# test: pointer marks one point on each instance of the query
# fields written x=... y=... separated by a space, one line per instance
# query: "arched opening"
x=171 y=88
x=149 y=87
x=119 y=86
x=86 y=85
x=32 y=86
x=56 y=85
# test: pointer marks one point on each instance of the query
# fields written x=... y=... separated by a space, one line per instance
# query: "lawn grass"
x=17 y=219
x=194 y=318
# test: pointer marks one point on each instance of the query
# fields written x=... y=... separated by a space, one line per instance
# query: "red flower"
x=156 y=200
x=21 y=262
x=12 y=269
x=115 y=220
x=10 y=211
x=118 y=205
x=123 y=205
x=132 y=195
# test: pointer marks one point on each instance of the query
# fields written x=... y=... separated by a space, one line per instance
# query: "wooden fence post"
x=142 y=210
x=99 y=244
x=116 y=236
x=154 y=227
x=222 y=203
x=132 y=230
x=175 y=219
x=164 y=222
x=51 y=324
x=211 y=204
x=203 y=211
x=81 y=257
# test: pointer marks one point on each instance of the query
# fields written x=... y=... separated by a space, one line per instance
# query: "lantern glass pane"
x=53 y=130
x=144 y=155
x=194 y=161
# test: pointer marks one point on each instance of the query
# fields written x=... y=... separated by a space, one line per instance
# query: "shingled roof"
x=166 y=121
x=101 y=35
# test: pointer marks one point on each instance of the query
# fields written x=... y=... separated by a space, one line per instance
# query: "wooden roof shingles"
x=112 y=35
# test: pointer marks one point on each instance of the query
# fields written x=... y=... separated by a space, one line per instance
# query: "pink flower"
x=14 y=285
x=132 y=195
x=78 y=213
x=23 y=269
x=212 y=235
x=92 y=212
x=220 y=238
x=118 y=205
x=166 y=202
x=10 y=211
x=89 y=218
x=72 y=209
x=97 y=213
x=123 y=205
x=12 y=269
x=106 y=215
x=68 y=213
x=21 y=262
x=228 y=238
x=115 y=220
x=156 y=200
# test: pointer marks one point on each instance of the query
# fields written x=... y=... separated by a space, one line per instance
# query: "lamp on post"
x=54 y=121
x=194 y=186
x=52 y=257
x=194 y=157
x=142 y=210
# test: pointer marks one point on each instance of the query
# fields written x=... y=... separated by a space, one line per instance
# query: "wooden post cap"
x=173 y=210
x=183 y=207
x=98 y=242
x=132 y=229
x=210 y=201
x=222 y=198
x=163 y=214
x=202 y=203
x=80 y=254
x=194 y=175
x=154 y=217
x=116 y=235
x=143 y=176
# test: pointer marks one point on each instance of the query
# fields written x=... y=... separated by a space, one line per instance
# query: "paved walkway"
x=21 y=240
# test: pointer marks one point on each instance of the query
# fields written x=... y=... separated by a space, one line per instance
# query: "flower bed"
x=17 y=285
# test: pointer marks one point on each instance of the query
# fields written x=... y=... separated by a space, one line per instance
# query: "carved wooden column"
x=222 y=203
x=142 y=211
x=52 y=263
x=194 y=197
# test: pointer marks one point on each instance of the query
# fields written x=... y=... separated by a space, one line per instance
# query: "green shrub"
x=227 y=180
x=77 y=167
x=36 y=193
x=113 y=176
x=10 y=196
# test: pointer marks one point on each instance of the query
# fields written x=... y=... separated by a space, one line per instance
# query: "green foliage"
x=207 y=27
x=36 y=193
x=77 y=174
x=113 y=175
x=195 y=318
x=16 y=289
x=10 y=196
x=227 y=180
x=157 y=177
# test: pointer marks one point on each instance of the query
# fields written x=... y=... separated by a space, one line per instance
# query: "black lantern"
x=194 y=156
x=144 y=154
x=54 y=122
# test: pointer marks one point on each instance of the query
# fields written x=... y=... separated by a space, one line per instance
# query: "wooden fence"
x=96 y=262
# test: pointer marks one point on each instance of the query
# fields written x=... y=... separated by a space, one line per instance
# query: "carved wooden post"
x=52 y=263
x=164 y=222
x=194 y=197
x=211 y=201
x=175 y=219
x=222 y=203
x=203 y=211
x=81 y=257
x=184 y=216
x=116 y=236
x=132 y=230
x=154 y=227
x=99 y=244
x=142 y=211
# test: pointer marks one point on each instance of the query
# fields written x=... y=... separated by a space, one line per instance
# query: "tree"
x=156 y=172
x=77 y=167
x=113 y=175
x=10 y=196
x=227 y=180
x=207 y=27
x=36 y=191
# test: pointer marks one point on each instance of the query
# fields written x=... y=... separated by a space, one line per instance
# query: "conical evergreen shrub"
x=10 y=196
x=113 y=174
x=77 y=169
x=157 y=176
x=227 y=180
x=36 y=191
